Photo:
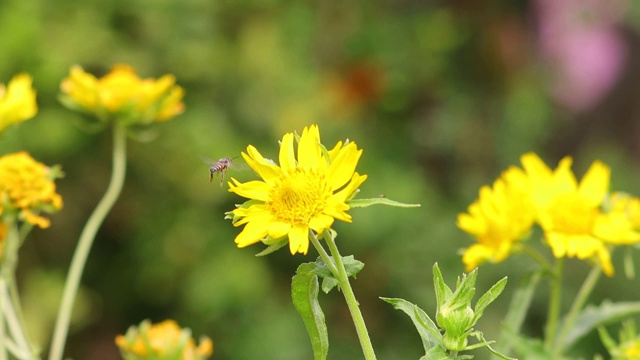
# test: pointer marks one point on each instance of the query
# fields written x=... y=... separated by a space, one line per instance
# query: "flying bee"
x=220 y=167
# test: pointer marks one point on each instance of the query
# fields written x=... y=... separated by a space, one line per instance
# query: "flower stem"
x=554 y=304
x=578 y=303
x=350 y=298
x=86 y=240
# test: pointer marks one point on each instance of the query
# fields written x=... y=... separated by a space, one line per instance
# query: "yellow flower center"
x=571 y=214
x=298 y=197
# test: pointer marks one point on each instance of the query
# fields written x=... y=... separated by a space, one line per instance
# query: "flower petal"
x=258 y=190
x=278 y=229
x=309 y=152
x=342 y=168
x=299 y=239
x=264 y=168
x=321 y=222
x=595 y=183
x=286 y=155
x=255 y=230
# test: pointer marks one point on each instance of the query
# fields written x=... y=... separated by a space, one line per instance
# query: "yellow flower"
x=165 y=340
x=570 y=213
x=500 y=217
x=26 y=188
x=305 y=192
x=17 y=101
x=626 y=206
x=123 y=94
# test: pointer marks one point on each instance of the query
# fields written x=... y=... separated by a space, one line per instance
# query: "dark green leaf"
x=274 y=247
x=488 y=297
x=304 y=292
x=351 y=265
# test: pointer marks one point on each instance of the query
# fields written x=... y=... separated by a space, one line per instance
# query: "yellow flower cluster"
x=27 y=188
x=304 y=193
x=123 y=94
x=572 y=214
x=162 y=341
x=17 y=101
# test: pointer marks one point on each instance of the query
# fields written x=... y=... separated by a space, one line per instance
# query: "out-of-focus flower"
x=581 y=42
x=305 y=192
x=570 y=213
x=162 y=341
x=628 y=347
x=627 y=206
x=3 y=235
x=17 y=101
x=123 y=95
x=351 y=90
x=500 y=217
x=27 y=188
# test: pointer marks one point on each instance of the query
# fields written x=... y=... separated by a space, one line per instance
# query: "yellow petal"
x=255 y=230
x=257 y=190
x=265 y=169
x=279 y=229
x=299 y=239
x=286 y=155
x=342 y=168
x=321 y=222
x=309 y=152
x=595 y=183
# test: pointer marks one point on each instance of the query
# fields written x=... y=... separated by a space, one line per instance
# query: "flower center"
x=298 y=197
x=571 y=214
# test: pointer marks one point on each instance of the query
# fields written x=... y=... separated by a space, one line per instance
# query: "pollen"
x=298 y=197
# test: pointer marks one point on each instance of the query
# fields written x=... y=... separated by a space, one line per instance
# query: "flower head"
x=123 y=94
x=306 y=192
x=17 y=101
x=162 y=341
x=570 y=213
x=502 y=215
x=26 y=188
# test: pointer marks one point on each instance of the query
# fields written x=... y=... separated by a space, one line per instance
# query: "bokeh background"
x=441 y=95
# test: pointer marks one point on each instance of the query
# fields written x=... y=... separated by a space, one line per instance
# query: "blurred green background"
x=442 y=96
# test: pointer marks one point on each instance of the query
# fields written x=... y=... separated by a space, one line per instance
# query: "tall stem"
x=554 y=305
x=581 y=298
x=86 y=240
x=350 y=298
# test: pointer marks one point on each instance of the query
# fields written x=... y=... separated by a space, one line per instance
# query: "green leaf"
x=528 y=348
x=594 y=316
x=304 y=292
x=487 y=344
x=518 y=308
x=274 y=247
x=351 y=266
x=436 y=353
x=425 y=326
x=360 y=203
x=488 y=297
x=443 y=292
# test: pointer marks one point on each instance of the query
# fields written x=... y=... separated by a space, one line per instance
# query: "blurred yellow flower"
x=162 y=341
x=303 y=193
x=26 y=188
x=17 y=101
x=500 y=217
x=627 y=206
x=3 y=235
x=123 y=94
x=570 y=213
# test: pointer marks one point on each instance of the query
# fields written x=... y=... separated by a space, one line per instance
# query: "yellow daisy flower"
x=122 y=93
x=27 y=187
x=570 y=212
x=500 y=217
x=165 y=340
x=17 y=101
x=305 y=192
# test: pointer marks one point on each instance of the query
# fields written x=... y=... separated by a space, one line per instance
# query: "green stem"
x=537 y=257
x=86 y=240
x=323 y=253
x=581 y=298
x=350 y=298
x=554 y=304
x=3 y=334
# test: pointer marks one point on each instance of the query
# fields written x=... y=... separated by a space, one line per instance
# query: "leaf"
x=420 y=319
x=594 y=316
x=518 y=308
x=274 y=247
x=443 y=292
x=360 y=203
x=488 y=297
x=487 y=344
x=436 y=353
x=351 y=266
x=304 y=292
x=528 y=348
